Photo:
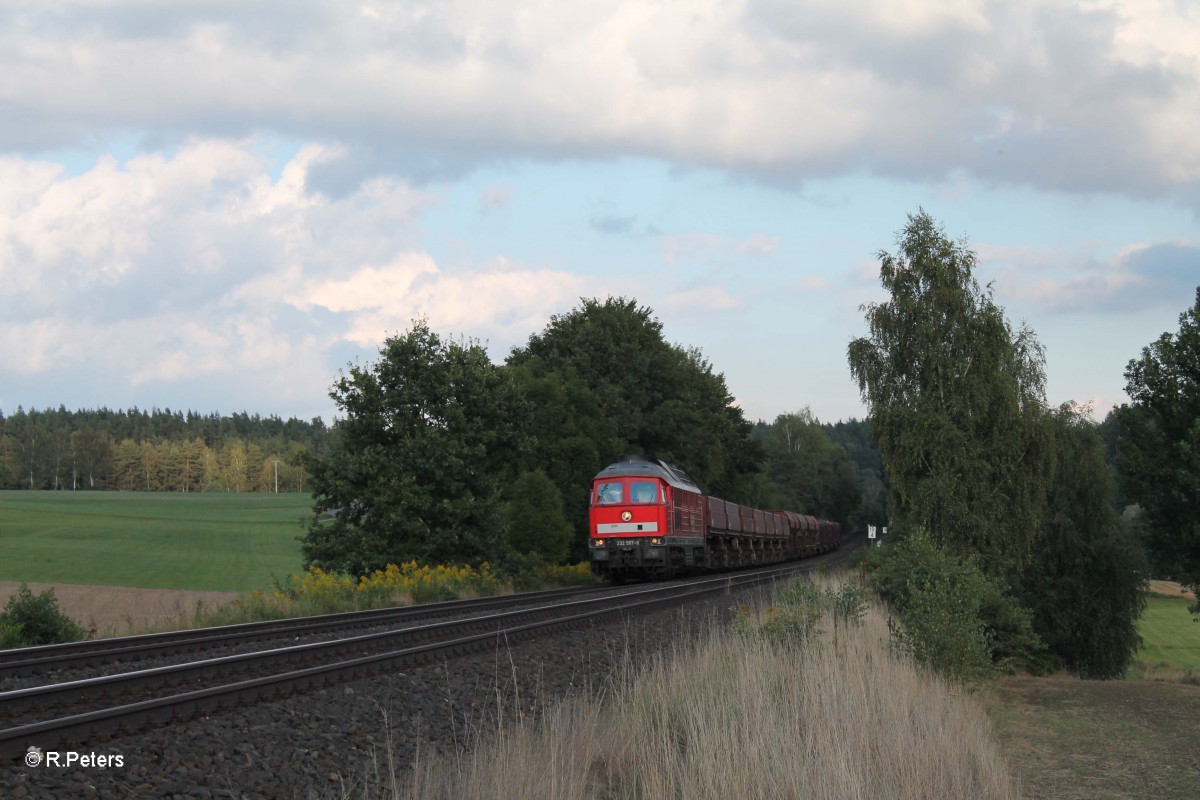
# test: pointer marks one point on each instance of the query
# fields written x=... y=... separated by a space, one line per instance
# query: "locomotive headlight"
x=655 y=540
x=597 y=543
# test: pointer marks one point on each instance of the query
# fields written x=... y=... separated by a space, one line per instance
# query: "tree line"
x=159 y=450
x=985 y=479
x=444 y=456
x=1154 y=442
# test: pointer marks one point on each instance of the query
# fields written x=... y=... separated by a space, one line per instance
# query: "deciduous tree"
x=1158 y=450
x=1085 y=586
x=431 y=430
x=569 y=438
x=534 y=522
x=956 y=402
x=807 y=471
x=661 y=400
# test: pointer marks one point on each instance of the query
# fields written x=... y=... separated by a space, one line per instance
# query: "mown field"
x=221 y=542
x=1068 y=738
x=1170 y=635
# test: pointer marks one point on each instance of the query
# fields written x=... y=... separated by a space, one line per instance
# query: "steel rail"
x=55 y=657
x=93 y=725
x=57 y=694
x=46 y=658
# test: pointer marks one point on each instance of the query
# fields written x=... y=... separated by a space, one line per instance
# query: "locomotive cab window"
x=608 y=493
x=643 y=492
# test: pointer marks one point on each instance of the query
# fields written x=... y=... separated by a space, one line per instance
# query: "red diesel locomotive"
x=648 y=519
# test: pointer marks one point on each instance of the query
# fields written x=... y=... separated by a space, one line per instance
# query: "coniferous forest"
x=159 y=450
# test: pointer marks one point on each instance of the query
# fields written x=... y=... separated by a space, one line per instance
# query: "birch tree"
x=957 y=401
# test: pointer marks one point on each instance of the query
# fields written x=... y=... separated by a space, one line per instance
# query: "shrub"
x=523 y=571
x=318 y=591
x=10 y=636
x=428 y=584
x=534 y=521
x=530 y=572
x=949 y=614
x=578 y=574
x=29 y=620
x=796 y=610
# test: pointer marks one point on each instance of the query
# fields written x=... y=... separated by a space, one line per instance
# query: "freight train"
x=649 y=520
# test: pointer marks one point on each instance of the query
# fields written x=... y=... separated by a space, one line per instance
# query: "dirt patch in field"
x=1068 y=738
x=116 y=609
x=1171 y=589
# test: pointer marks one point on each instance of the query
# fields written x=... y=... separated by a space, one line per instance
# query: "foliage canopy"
x=1085 y=588
x=30 y=619
x=661 y=400
x=956 y=399
x=430 y=431
x=806 y=471
x=977 y=464
x=534 y=522
x=1158 y=451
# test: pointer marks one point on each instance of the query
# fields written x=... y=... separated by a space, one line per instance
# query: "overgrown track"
x=127 y=702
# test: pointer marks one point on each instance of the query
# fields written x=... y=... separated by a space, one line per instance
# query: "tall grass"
x=742 y=715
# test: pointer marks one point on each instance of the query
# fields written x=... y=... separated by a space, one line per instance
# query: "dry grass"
x=1071 y=739
x=1162 y=673
x=118 y=610
x=1171 y=589
x=741 y=717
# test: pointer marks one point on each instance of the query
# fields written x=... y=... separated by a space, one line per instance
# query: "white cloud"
x=1137 y=277
x=692 y=247
x=864 y=273
x=812 y=283
x=1083 y=96
x=759 y=245
x=707 y=298
x=200 y=265
x=33 y=346
x=369 y=287
x=495 y=198
x=510 y=302
x=207 y=254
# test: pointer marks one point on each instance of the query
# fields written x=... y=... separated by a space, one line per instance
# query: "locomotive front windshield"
x=638 y=492
x=643 y=492
x=608 y=493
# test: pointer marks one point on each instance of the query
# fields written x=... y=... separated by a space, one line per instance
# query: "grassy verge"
x=1170 y=637
x=833 y=712
x=1068 y=738
x=221 y=542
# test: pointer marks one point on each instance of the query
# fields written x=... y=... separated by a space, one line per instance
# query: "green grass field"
x=222 y=542
x=1169 y=634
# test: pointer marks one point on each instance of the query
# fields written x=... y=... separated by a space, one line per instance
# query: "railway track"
x=56 y=658
x=94 y=709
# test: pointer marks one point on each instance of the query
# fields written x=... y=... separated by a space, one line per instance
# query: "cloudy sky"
x=215 y=205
